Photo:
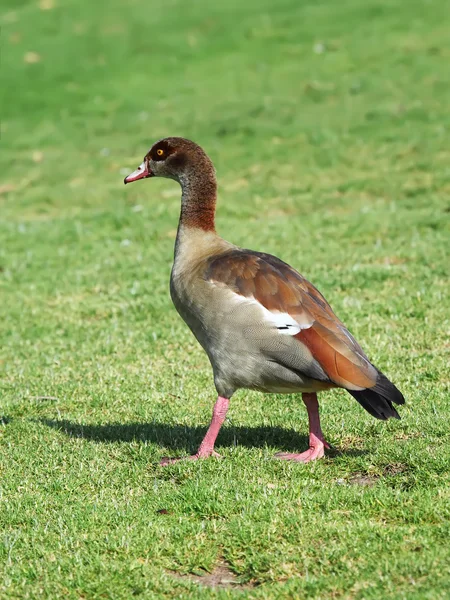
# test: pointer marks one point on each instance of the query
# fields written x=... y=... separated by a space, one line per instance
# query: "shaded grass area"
x=328 y=124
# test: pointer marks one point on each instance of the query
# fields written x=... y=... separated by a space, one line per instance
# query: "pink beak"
x=142 y=172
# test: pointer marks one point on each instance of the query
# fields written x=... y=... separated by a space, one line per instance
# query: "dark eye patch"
x=160 y=151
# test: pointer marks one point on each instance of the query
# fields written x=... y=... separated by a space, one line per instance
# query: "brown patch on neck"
x=198 y=202
x=199 y=217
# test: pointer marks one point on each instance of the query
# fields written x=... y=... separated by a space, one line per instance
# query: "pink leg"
x=207 y=446
x=317 y=442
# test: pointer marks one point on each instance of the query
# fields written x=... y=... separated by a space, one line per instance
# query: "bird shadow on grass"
x=188 y=438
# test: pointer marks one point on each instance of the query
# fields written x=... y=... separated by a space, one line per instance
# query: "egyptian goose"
x=263 y=326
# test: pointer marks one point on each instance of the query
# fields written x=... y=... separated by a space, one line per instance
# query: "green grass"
x=328 y=123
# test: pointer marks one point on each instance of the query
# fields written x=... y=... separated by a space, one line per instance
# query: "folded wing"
x=283 y=291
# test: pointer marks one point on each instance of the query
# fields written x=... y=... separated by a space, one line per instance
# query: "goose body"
x=263 y=325
x=249 y=346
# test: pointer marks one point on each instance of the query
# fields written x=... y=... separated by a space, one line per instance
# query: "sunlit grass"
x=328 y=125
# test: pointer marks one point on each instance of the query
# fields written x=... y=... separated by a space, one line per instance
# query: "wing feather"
x=281 y=289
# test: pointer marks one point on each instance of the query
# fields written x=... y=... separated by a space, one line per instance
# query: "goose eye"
x=160 y=152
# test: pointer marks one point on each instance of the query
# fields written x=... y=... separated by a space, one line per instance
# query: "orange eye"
x=160 y=152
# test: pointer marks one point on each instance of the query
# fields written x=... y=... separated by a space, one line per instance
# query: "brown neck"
x=198 y=200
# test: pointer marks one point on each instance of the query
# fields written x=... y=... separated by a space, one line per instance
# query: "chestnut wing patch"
x=251 y=276
x=283 y=291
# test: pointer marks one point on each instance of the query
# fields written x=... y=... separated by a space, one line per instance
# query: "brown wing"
x=278 y=287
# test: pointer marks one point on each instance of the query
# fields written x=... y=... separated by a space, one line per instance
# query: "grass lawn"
x=329 y=126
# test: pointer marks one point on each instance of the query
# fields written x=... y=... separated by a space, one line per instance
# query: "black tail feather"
x=378 y=400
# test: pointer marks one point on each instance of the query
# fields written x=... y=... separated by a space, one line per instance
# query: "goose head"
x=174 y=158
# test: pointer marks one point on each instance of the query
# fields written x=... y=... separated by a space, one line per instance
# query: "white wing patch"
x=283 y=322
